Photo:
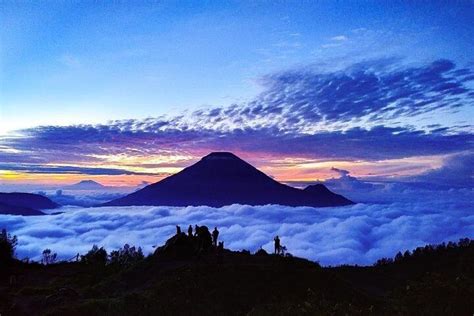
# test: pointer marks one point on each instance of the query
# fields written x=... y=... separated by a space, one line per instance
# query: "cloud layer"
x=364 y=111
x=358 y=234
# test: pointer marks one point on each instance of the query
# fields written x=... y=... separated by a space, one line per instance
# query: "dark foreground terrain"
x=177 y=281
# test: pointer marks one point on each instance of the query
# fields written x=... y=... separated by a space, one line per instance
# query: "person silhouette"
x=196 y=230
x=215 y=235
x=277 y=245
x=190 y=231
x=178 y=230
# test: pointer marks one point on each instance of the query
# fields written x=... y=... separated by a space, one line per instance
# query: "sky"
x=128 y=92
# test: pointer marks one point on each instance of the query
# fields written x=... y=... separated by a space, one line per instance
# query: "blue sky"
x=269 y=80
x=65 y=63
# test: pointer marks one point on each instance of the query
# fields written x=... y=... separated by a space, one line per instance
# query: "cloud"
x=84 y=198
x=377 y=90
x=341 y=172
x=358 y=234
x=339 y=38
x=347 y=183
x=352 y=113
x=453 y=180
x=32 y=168
x=457 y=170
x=85 y=143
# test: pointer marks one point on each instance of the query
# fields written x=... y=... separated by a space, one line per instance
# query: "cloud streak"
x=32 y=168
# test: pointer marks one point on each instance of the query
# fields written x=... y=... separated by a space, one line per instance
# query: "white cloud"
x=358 y=234
x=339 y=38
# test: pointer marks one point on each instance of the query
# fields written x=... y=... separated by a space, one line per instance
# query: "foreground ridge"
x=188 y=275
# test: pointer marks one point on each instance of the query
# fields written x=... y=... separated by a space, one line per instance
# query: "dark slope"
x=18 y=210
x=220 y=179
x=435 y=281
x=24 y=203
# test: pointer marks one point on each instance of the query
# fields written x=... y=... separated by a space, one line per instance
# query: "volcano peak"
x=222 y=178
x=220 y=155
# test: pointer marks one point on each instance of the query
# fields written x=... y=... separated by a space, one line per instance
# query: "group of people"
x=215 y=233
x=279 y=248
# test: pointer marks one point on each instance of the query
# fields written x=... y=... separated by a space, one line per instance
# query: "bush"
x=95 y=256
x=126 y=256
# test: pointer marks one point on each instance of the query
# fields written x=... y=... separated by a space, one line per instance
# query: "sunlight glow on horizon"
x=284 y=170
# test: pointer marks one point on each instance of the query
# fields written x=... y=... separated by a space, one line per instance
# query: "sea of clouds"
x=357 y=234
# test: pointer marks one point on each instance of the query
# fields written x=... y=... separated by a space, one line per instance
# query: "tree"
x=126 y=256
x=398 y=257
x=48 y=257
x=96 y=256
x=7 y=246
x=464 y=242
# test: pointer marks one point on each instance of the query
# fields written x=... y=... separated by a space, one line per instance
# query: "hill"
x=221 y=178
x=223 y=282
x=24 y=203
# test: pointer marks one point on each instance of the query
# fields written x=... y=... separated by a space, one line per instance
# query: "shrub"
x=95 y=256
x=126 y=256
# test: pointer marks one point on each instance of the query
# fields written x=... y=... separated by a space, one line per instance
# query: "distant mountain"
x=221 y=178
x=24 y=203
x=85 y=185
x=323 y=192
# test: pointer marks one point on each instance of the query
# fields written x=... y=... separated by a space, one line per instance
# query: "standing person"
x=190 y=231
x=277 y=245
x=215 y=234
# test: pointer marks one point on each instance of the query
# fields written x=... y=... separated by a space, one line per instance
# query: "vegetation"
x=126 y=256
x=48 y=257
x=95 y=256
x=7 y=247
x=431 y=280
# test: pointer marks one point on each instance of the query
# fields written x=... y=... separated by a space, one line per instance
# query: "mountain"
x=222 y=178
x=85 y=185
x=24 y=203
x=323 y=192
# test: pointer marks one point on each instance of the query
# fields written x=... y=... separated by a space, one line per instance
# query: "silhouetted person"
x=190 y=231
x=196 y=230
x=277 y=245
x=215 y=235
x=204 y=238
x=220 y=251
x=178 y=230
